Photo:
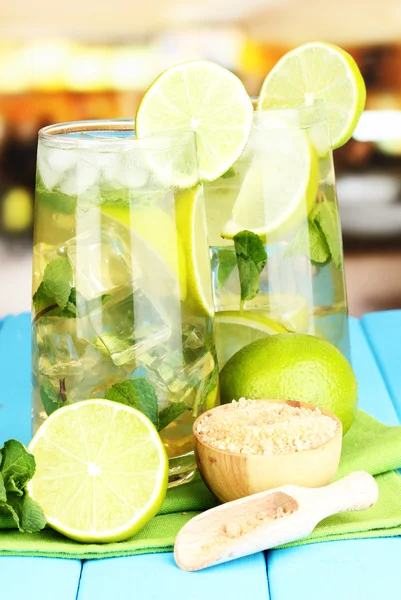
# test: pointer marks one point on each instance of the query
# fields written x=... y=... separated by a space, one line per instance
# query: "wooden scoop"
x=267 y=520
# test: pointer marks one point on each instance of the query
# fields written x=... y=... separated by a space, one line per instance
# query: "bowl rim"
x=286 y=455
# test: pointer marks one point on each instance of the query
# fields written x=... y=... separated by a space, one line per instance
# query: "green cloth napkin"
x=369 y=446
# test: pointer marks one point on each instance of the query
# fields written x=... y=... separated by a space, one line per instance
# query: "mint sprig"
x=17 y=467
x=251 y=260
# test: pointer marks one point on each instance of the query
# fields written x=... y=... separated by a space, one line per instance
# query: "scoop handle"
x=357 y=491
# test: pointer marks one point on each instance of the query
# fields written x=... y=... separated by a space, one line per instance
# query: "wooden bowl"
x=231 y=475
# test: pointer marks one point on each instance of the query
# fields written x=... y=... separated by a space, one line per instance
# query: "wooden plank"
x=33 y=578
x=39 y=578
x=358 y=569
x=383 y=331
x=372 y=389
x=15 y=377
x=156 y=577
x=351 y=569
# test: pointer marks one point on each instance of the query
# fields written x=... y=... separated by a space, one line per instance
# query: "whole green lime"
x=292 y=366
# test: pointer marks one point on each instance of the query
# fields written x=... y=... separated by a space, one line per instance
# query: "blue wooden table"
x=355 y=569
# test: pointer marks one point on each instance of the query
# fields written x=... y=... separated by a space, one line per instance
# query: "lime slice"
x=280 y=186
x=289 y=310
x=318 y=71
x=157 y=246
x=212 y=398
x=191 y=225
x=236 y=329
x=207 y=99
x=101 y=471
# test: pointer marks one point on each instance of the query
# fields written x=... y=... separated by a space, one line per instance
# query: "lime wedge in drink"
x=191 y=226
x=158 y=246
x=207 y=99
x=235 y=329
x=280 y=186
x=101 y=470
x=318 y=71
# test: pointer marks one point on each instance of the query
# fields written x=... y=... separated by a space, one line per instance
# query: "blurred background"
x=89 y=60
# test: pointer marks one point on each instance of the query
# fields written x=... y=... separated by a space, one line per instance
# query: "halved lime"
x=191 y=225
x=101 y=470
x=207 y=99
x=236 y=329
x=318 y=71
x=280 y=186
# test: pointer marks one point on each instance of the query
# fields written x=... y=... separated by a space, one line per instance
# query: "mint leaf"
x=58 y=202
x=138 y=393
x=27 y=513
x=325 y=217
x=225 y=261
x=309 y=241
x=51 y=398
x=70 y=309
x=3 y=493
x=57 y=280
x=171 y=413
x=251 y=260
x=229 y=173
x=41 y=299
x=17 y=466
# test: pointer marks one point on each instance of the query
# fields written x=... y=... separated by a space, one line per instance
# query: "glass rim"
x=59 y=134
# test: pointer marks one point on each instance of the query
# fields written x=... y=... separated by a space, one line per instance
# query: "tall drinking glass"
x=122 y=307
x=283 y=187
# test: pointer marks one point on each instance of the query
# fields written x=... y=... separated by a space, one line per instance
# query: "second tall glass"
x=283 y=188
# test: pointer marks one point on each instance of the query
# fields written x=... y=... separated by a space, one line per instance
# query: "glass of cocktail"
x=122 y=305
x=275 y=235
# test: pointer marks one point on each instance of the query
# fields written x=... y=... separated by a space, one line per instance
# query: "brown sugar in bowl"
x=231 y=475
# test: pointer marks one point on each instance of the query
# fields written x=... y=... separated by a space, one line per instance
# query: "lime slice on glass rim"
x=235 y=329
x=204 y=98
x=318 y=71
x=101 y=470
x=280 y=186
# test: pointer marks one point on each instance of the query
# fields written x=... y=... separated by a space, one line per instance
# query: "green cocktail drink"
x=122 y=305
